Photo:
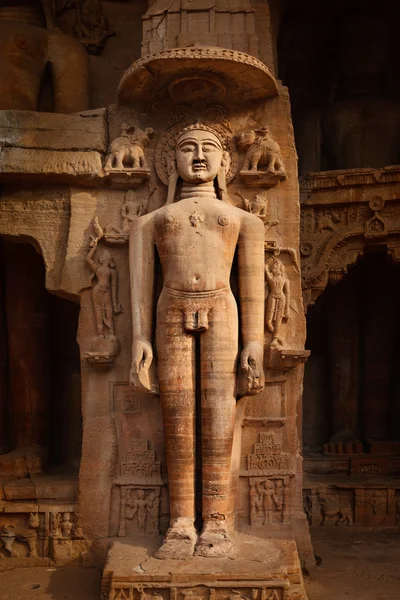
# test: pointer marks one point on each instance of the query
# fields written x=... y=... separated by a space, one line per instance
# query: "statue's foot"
x=214 y=541
x=179 y=541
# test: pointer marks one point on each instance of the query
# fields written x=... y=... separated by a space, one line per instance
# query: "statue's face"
x=198 y=156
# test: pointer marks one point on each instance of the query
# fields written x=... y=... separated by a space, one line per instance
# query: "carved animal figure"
x=261 y=150
x=127 y=150
x=28 y=534
x=331 y=508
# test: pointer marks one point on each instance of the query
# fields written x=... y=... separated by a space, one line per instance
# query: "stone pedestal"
x=261 y=570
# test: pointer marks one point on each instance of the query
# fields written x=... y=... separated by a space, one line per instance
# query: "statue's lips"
x=199 y=168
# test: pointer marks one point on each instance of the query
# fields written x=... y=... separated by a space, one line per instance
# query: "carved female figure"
x=105 y=301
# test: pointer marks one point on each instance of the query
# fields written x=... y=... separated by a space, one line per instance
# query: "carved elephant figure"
x=27 y=534
x=261 y=150
x=127 y=150
x=331 y=508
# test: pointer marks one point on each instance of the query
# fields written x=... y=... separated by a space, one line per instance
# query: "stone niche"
x=130 y=172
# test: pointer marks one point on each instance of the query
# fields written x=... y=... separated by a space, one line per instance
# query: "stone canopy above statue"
x=204 y=71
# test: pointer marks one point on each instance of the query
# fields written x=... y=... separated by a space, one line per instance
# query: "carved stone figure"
x=130 y=210
x=140 y=506
x=27 y=534
x=278 y=300
x=127 y=150
x=259 y=207
x=105 y=295
x=66 y=525
x=91 y=26
x=261 y=151
x=27 y=45
x=196 y=239
x=332 y=507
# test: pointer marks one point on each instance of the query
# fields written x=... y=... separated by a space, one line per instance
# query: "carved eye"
x=210 y=148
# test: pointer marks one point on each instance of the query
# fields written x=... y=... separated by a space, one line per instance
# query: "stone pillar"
x=27 y=325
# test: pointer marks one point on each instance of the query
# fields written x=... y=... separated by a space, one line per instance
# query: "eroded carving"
x=27 y=534
x=126 y=153
x=91 y=26
x=332 y=507
x=261 y=151
x=267 y=456
x=131 y=209
x=268 y=500
x=278 y=300
x=105 y=346
x=196 y=299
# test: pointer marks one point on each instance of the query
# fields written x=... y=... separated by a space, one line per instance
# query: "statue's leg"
x=218 y=362
x=98 y=310
x=176 y=378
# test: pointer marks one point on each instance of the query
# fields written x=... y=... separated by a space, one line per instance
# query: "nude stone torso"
x=196 y=241
x=276 y=285
x=103 y=274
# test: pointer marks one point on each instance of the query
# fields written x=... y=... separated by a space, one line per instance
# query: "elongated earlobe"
x=221 y=177
x=172 y=177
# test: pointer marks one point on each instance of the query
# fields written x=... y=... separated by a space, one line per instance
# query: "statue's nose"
x=199 y=155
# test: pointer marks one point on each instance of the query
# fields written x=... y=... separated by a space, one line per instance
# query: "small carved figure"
x=270 y=499
x=127 y=151
x=277 y=311
x=66 y=525
x=140 y=506
x=27 y=534
x=131 y=209
x=105 y=301
x=261 y=150
x=326 y=221
x=56 y=525
x=91 y=26
x=259 y=208
x=332 y=507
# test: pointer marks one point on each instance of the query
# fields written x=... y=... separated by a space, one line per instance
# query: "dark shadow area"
x=352 y=379
x=339 y=61
x=40 y=390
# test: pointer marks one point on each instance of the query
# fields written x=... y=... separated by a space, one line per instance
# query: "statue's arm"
x=142 y=273
x=89 y=259
x=251 y=296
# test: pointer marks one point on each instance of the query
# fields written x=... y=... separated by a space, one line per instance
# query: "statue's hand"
x=251 y=364
x=142 y=357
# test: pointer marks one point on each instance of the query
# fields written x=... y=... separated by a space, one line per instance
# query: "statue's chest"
x=194 y=220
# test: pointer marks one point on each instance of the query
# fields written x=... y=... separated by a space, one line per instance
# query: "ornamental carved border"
x=337 y=224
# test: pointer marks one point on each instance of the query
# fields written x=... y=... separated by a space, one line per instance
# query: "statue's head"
x=140 y=494
x=199 y=154
x=105 y=258
x=277 y=267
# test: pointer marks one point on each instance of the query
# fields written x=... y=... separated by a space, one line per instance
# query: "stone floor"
x=354 y=566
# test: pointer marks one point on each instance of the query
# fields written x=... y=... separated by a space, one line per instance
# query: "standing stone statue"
x=198 y=329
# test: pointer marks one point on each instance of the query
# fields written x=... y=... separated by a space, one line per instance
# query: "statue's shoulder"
x=250 y=220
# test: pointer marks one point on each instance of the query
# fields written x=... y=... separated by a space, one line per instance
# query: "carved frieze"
x=337 y=224
x=267 y=457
